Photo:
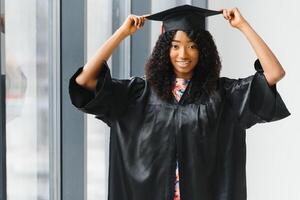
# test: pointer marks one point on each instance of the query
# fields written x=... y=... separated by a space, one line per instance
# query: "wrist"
x=244 y=26
x=122 y=33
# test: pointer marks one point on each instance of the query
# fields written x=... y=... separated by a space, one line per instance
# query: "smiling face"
x=184 y=55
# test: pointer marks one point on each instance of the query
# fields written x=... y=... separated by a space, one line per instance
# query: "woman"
x=183 y=123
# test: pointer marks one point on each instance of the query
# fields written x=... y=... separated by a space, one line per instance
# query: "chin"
x=183 y=74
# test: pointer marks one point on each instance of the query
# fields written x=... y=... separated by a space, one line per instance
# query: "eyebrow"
x=180 y=41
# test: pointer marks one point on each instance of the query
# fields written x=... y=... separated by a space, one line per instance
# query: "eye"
x=193 y=46
x=174 y=46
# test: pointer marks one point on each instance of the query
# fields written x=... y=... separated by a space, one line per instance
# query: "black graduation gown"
x=207 y=136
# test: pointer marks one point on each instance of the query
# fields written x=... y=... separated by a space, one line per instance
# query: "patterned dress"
x=178 y=90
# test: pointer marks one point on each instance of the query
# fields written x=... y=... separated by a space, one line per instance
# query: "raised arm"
x=273 y=70
x=88 y=77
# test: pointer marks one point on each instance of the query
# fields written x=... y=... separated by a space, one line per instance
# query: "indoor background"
x=50 y=150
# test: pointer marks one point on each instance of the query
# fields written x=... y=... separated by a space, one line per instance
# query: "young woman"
x=183 y=127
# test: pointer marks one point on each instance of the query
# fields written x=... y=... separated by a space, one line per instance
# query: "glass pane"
x=27 y=110
x=98 y=30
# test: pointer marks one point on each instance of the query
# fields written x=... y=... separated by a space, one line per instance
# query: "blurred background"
x=54 y=151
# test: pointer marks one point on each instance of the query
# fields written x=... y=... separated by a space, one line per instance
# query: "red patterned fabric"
x=178 y=90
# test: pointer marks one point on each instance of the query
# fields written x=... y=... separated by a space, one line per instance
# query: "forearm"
x=91 y=70
x=273 y=70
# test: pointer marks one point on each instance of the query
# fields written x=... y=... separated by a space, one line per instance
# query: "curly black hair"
x=159 y=69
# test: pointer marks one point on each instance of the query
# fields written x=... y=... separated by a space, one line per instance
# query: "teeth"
x=183 y=62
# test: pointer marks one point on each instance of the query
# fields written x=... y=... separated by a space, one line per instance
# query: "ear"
x=162 y=29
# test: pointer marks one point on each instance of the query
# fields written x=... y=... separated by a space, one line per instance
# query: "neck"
x=186 y=77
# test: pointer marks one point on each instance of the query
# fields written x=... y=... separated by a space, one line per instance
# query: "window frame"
x=73 y=122
x=3 y=193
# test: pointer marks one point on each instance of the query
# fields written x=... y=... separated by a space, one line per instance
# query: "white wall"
x=272 y=149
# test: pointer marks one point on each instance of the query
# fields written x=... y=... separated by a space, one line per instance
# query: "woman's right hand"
x=132 y=24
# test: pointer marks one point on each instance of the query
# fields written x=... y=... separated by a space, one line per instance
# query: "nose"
x=182 y=53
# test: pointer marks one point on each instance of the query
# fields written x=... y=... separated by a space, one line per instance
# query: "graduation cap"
x=184 y=17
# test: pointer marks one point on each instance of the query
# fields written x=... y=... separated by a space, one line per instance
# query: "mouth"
x=184 y=63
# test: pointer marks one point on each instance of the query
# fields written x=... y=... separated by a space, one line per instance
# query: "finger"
x=231 y=13
x=228 y=13
x=135 y=21
x=140 y=21
x=143 y=22
x=224 y=13
x=236 y=10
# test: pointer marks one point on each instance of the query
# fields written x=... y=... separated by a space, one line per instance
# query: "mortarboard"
x=184 y=17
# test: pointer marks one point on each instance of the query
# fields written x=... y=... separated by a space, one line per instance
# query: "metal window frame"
x=73 y=122
x=141 y=40
x=121 y=59
x=3 y=190
x=54 y=102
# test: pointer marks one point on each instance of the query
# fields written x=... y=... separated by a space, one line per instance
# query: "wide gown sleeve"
x=111 y=97
x=254 y=101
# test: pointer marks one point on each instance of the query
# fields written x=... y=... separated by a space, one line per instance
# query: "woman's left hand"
x=234 y=17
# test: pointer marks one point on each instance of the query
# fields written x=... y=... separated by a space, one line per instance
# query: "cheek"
x=172 y=55
x=195 y=57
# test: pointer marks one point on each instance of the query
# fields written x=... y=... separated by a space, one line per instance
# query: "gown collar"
x=189 y=91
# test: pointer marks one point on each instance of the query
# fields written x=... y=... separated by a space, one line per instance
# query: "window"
x=27 y=99
x=99 y=29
